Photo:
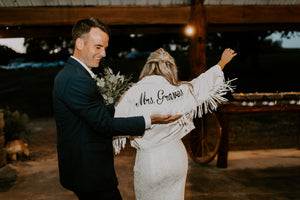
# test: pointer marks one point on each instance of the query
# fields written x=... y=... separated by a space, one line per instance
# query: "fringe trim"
x=119 y=143
x=215 y=97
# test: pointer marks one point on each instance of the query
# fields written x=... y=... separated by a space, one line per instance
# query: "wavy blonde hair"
x=161 y=63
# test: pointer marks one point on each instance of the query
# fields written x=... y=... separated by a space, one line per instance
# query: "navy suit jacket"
x=85 y=127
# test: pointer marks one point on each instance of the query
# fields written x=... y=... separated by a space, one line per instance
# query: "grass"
x=28 y=90
x=264 y=131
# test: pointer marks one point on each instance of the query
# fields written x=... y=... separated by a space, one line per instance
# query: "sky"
x=14 y=43
x=17 y=43
x=293 y=42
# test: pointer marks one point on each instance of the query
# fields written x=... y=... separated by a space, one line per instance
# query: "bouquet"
x=112 y=86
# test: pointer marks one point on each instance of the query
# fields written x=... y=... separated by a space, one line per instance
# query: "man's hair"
x=84 y=26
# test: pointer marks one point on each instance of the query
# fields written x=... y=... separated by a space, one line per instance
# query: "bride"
x=161 y=160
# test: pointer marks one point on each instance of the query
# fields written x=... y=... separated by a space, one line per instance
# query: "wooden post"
x=2 y=140
x=223 y=149
x=298 y=142
x=197 y=47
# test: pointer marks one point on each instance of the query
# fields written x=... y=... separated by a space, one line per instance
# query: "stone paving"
x=259 y=174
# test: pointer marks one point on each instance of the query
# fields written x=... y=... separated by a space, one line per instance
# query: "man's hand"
x=163 y=119
x=226 y=57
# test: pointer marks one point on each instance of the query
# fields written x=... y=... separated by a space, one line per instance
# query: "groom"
x=85 y=125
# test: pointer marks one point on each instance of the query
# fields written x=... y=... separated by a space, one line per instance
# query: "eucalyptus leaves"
x=112 y=86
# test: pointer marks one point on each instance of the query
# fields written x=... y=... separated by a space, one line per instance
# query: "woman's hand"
x=226 y=57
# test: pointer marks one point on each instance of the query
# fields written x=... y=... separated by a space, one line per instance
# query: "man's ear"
x=79 y=43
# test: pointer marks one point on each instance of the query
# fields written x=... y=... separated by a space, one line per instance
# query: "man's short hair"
x=84 y=26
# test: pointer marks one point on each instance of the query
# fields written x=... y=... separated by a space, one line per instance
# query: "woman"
x=161 y=160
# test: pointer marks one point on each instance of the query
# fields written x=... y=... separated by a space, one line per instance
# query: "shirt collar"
x=85 y=67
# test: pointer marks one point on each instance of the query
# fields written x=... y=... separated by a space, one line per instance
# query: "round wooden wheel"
x=204 y=141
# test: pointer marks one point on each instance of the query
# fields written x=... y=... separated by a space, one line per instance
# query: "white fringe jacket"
x=155 y=95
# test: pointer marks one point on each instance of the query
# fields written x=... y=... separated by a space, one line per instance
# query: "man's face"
x=94 y=47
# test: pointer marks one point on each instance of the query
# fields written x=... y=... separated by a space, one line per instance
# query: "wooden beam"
x=111 y=15
x=222 y=161
x=215 y=14
x=227 y=108
x=197 y=46
x=252 y=14
x=52 y=21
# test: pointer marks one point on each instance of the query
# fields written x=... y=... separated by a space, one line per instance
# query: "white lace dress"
x=161 y=160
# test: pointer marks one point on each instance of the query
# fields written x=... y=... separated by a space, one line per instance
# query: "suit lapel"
x=74 y=63
x=80 y=68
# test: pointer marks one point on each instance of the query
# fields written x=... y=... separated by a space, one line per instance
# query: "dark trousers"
x=105 y=195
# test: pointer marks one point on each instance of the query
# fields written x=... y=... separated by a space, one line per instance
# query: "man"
x=85 y=126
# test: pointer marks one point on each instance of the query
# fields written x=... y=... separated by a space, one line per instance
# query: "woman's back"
x=155 y=95
x=161 y=161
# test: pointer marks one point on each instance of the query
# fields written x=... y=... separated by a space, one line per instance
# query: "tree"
x=48 y=49
x=7 y=54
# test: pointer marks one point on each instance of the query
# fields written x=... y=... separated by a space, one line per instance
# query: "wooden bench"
x=239 y=107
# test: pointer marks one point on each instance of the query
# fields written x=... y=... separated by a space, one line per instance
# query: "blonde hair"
x=160 y=62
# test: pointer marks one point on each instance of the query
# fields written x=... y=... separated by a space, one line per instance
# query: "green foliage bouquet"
x=112 y=86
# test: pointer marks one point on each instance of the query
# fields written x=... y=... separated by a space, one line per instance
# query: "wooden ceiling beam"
x=216 y=14
x=57 y=21
x=52 y=16
x=252 y=14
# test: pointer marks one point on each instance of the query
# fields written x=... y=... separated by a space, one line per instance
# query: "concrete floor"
x=260 y=175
